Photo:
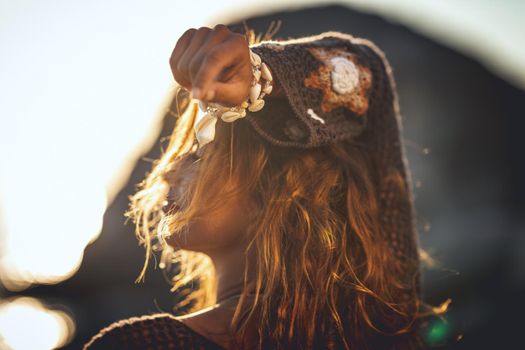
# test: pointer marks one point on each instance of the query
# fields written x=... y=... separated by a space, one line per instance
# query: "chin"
x=197 y=237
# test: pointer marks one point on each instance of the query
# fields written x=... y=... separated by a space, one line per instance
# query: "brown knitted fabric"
x=152 y=332
x=304 y=69
x=312 y=71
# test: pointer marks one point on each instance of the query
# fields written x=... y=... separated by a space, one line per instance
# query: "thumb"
x=229 y=94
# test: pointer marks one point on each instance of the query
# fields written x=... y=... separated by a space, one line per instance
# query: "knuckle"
x=194 y=64
x=203 y=29
x=188 y=32
x=179 y=66
x=221 y=28
x=239 y=39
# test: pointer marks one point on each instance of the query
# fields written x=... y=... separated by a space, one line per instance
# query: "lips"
x=173 y=200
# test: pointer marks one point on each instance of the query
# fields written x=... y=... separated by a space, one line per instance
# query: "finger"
x=195 y=43
x=219 y=58
x=219 y=34
x=177 y=52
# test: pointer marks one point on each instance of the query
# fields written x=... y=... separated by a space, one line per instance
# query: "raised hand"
x=214 y=64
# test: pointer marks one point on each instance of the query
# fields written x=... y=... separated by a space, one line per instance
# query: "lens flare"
x=25 y=323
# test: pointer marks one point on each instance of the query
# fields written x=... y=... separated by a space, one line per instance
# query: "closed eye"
x=194 y=157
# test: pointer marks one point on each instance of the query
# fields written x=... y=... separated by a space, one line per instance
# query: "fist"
x=214 y=64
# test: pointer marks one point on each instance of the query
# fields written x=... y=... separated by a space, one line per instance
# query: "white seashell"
x=265 y=72
x=255 y=58
x=244 y=104
x=267 y=89
x=203 y=105
x=230 y=116
x=205 y=128
x=345 y=76
x=254 y=92
x=257 y=75
x=256 y=106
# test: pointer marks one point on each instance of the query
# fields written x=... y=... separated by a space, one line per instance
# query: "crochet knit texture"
x=338 y=87
x=367 y=112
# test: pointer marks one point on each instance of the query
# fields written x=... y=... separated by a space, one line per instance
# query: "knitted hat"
x=339 y=87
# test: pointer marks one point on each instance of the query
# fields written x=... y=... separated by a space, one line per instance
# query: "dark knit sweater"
x=152 y=332
x=338 y=87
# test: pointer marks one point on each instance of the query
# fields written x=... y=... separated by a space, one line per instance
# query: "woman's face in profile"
x=216 y=230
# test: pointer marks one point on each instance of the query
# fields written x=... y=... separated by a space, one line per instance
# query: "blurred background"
x=85 y=95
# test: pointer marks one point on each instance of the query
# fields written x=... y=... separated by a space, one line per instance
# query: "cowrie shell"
x=205 y=128
x=203 y=105
x=256 y=106
x=244 y=104
x=255 y=58
x=254 y=92
x=257 y=75
x=265 y=72
x=267 y=89
x=230 y=116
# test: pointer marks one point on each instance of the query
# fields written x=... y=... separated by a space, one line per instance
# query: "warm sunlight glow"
x=26 y=324
x=83 y=86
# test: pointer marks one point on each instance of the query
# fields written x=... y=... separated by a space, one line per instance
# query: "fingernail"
x=196 y=92
x=210 y=94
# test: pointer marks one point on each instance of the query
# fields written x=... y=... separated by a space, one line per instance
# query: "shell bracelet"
x=261 y=85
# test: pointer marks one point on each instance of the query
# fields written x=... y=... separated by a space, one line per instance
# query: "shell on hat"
x=257 y=105
x=231 y=116
x=265 y=71
x=342 y=79
x=205 y=128
x=345 y=76
x=255 y=91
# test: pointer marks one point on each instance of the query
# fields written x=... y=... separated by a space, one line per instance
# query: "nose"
x=180 y=180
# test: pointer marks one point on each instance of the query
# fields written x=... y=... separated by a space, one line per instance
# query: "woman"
x=296 y=220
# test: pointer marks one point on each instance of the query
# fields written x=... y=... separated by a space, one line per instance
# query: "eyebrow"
x=195 y=156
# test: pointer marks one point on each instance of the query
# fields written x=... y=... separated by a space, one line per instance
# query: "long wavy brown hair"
x=325 y=276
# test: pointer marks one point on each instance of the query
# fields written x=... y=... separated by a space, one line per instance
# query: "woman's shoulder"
x=161 y=330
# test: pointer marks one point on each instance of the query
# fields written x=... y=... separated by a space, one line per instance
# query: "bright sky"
x=83 y=86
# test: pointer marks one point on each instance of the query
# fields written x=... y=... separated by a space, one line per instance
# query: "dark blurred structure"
x=461 y=126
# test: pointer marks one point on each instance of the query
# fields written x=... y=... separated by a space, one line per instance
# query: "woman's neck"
x=229 y=268
x=214 y=322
